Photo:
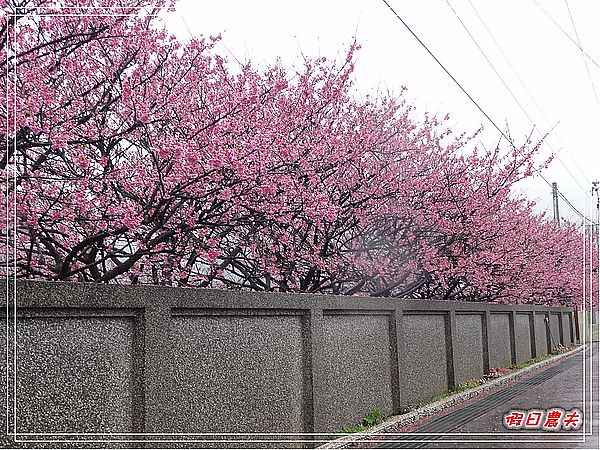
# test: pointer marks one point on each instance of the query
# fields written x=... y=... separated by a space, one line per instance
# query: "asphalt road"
x=480 y=423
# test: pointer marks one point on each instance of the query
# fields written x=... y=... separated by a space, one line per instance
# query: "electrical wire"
x=566 y=200
x=554 y=152
x=582 y=55
x=477 y=104
x=566 y=34
x=516 y=73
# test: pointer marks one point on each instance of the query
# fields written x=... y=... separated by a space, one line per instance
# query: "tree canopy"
x=131 y=157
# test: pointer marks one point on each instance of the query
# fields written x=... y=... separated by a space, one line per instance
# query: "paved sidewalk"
x=557 y=385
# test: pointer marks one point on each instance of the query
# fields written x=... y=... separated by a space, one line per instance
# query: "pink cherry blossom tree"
x=132 y=158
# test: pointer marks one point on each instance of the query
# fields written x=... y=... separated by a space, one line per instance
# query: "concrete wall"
x=499 y=340
x=556 y=338
x=524 y=345
x=77 y=361
x=357 y=367
x=568 y=332
x=254 y=361
x=424 y=366
x=143 y=359
x=468 y=347
x=540 y=334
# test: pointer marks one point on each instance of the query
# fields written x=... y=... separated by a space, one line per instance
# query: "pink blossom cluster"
x=133 y=158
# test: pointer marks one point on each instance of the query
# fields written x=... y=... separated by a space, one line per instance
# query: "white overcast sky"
x=545 y=71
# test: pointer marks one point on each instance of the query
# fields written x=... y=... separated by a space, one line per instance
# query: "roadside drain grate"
x=463 y=416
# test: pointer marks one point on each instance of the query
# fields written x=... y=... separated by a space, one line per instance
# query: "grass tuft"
x=371 y=419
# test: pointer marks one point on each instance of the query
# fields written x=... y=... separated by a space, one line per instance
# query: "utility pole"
x=555 y=203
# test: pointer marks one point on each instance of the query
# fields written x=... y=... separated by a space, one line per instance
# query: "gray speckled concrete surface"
x=107 y=358
x=523 y=337
x=357 y=368
x=64 y=385
x=499 y=342
x=468 y=351
x=541 y=335
x=567 y=330
x=234 y=374
x=77 y=371
x=425 y=357
x=554 y=330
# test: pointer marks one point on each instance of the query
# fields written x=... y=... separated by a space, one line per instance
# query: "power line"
x=566 y=200
x=474 y=102
x=489 y=62
x=566 y=34
x=587 y=69
x=498 y=46
x=554 y=152
x=447 y=72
